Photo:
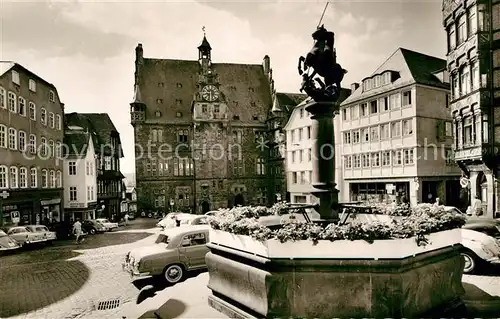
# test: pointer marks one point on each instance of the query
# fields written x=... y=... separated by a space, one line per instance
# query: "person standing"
x=77 y=230
x=125 y=218
x=477 y=206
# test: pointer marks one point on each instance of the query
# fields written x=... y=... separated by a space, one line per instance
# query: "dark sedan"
x=93 y=227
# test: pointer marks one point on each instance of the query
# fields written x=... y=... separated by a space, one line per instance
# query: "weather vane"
x=203 y=29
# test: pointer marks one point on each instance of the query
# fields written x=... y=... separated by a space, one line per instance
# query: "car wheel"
x=92 y=231
x=470 y=262
x=173 y=273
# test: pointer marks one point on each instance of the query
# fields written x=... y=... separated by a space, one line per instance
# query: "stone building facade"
x=31 y=132
x=197 y=127
x=473 y=60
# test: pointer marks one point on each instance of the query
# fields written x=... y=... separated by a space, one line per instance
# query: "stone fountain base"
x=246 y=285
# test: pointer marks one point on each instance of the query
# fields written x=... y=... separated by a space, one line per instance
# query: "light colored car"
x=176 y=251
x=479 y=248
x=170 y=221
x=7 y=243
x=24 y=236
x=106 y=223
x=49 y=236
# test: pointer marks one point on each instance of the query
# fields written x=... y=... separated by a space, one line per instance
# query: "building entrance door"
x=205 y=207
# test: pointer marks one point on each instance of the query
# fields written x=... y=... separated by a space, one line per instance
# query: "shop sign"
x=76 y=205
x=15 y=216
x=9 y=207
x=50 y=202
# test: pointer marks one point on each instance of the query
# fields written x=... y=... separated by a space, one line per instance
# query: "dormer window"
x=252 y=103
x=161 y=84
x=250 y=90
x=387 y=78
x=216 y=108
x=178 y=114
x=159 y=101
x=158 y=114
x=204 y=108
x=178 y=102
x=179 y=85
x=236 y=117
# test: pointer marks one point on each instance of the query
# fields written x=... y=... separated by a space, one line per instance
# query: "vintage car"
x=106 y=223
x=7 y=243
x=93 y=227
x=176 y=251
x=48 y=236
x=24 y=236
x=181 y=219
x=479 y=249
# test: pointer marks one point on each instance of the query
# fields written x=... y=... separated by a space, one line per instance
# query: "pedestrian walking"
x=126 y=217
x=77 y=230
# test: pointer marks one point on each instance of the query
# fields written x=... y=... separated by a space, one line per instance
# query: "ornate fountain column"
x=323 y=158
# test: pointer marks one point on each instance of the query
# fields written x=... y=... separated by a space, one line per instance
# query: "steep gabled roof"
x=245 y=88
x=6 y=66
x=99 y=125
x=413 y=68
x=285 y=102
x=76 y=142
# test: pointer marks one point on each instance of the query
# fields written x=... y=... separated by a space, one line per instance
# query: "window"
x=375 y=159
x=365 y=135
x=300 y=134
x=4 y=180
x=449 y=158
x=182 y=136
x=15 y=78
x=21 y=103
x=32 y=110
x=45 y=178
x=58 y=122
x=12 y=138
x=468 y=137
x=51 y=120
x=364 y=109
x=366 y=160
x=13 y=177
x=52 y=179
x=374 y=133
x=72 y=168
x=204 y=108
x=52 y=96
x=345 y=114
x=302 y=177
x=407 y=127
x=59 y=179
x=354 y=112
x=89 y=196
x=461 y=29
x=3 y=136
x=456 y=86
x=3 y=98
x=384 y=131
x=43 y=116
x=373 y=107
x=347 y=138
x=407 y=98
x=448 y=129
x=33 y=177
x=43 y=146
x=72 y=194
x=475 y=75
x=395 y=100
x=301 y=110
x=383 y=104
x=22 y=141
x=465 y=81
x=472 y=20
x=357 y=161
x=32 y=85
x=52 y=149
x=216 y=109
x=396 y=129
x=237 y=136
x=397 y=157
x=11 y=102
x=386 y=158
x=309 y=155
x=23 y=177
x=154 y=135
x=308 y=129
x=32 y=146
x=294 y=177
x=483 y=18
x=408 y=157
x=356 y=136
x=58 y=150
x=485 y=128
x=348 y=162
x=452 y=41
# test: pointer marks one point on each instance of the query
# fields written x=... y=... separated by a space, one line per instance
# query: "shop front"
x=374 y=192
x=81 y=211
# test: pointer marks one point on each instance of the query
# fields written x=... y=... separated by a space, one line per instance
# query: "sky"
x=87 y=48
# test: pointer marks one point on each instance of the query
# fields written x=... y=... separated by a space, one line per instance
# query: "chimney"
x=266 y=64
x=354 y=86
x=139 y=54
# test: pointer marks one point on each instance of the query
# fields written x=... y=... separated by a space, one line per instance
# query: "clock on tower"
x=210 y=93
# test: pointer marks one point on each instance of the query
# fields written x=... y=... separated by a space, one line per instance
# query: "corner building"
x=473 y=61
x=396 y=134
x=197 y=127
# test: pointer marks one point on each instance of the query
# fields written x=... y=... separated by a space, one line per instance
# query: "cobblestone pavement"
x=68 y=280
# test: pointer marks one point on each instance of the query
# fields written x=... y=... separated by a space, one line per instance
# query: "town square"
x=246 y=159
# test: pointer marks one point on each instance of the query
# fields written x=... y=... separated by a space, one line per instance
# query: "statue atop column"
x=322 y=59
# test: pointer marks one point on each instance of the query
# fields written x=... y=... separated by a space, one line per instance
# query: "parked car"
x=106 y=223
x=131 y=216
x=93 y=227
x=7 y=243
x=24 y=236
x=48 y=236
x=182 y=219
x=479 y=249
x=175 y=252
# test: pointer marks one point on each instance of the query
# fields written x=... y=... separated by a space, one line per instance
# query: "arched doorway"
x=482 y=189
x=205 y=207
x=239 y=200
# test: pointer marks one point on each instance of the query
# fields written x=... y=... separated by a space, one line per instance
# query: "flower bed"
x=415 y=222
